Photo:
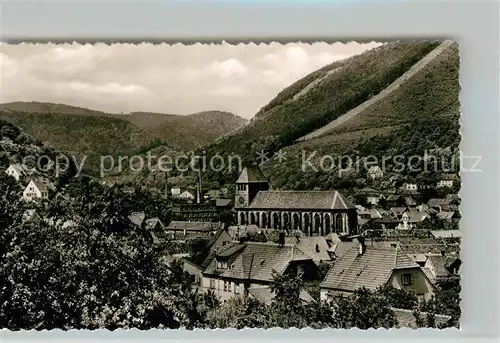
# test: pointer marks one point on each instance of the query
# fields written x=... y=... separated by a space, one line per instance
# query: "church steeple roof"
x=251 y=175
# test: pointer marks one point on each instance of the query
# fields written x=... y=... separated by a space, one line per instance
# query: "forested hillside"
x=421 y=113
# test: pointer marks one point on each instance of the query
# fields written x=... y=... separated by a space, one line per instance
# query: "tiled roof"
x=439 y=265
x=256 y=261
x=416 y=217
x=265 y=294
x=340 y=248
x=446 y=177
x=370 y=269
x=446 y=233
x=326 y=200
x=398 y=210
x=434 y=202
x=368 y=190
x=29 y=214
x=223 y=202
x=137 y=218
x=393 y=197
x=19 y=168
x=251 y=174
x=445 y=215
x=193 y=226
x=153 y=222
x=405 y=318
x=42 y=187
x=314 y=247
x=409 y=201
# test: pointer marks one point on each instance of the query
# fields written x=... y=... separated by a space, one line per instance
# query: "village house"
x=17 y=171
x=372 y=196
x=446 y=234
x=316 y=248
x=175 y=191
x=240 y=268
x=397 y=212
x=387 y=222
x=372 y=267
x=35 y=190
x=316 y=213
x=374 y=172
x=409 y=187
x=212 y=194
x=395 y=200
x=190 y=230
x=154 y=226
x=410 y=220
x=194 y=211
x=440 y=267
x=186 y=195
x=449 y=216
x=446 y=180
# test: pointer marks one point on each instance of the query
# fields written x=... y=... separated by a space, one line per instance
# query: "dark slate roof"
x=326 y=200
x=370 y=269
x=256 y=261
x=405 y=318
x=251 y=174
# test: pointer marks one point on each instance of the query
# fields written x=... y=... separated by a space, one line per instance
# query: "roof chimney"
x=281 y=238
x=362 y=246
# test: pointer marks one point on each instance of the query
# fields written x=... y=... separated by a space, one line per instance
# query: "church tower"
x=249 y=183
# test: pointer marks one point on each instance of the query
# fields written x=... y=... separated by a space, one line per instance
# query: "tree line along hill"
x=95 y=133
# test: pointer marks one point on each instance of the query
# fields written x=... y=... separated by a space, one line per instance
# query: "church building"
x=315 y=213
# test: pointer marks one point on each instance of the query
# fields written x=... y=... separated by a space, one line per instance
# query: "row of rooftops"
x=359 y=265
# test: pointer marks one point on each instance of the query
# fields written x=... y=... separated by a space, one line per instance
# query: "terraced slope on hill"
x=380 y=96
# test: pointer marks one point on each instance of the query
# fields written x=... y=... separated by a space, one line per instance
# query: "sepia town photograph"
x=204 y=186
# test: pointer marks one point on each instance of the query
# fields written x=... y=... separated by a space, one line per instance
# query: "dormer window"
x=221 y=264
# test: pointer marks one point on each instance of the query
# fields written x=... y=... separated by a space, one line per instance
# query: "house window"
x=212 y=283
x=221 y=264
x=229 y=287
x=225 y=286
x=406 y=279
x=236 y=288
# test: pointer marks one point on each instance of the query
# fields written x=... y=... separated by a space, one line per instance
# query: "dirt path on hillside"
x=392 y=87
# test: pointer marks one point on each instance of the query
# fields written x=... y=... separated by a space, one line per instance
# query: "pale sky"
x=174 y=79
